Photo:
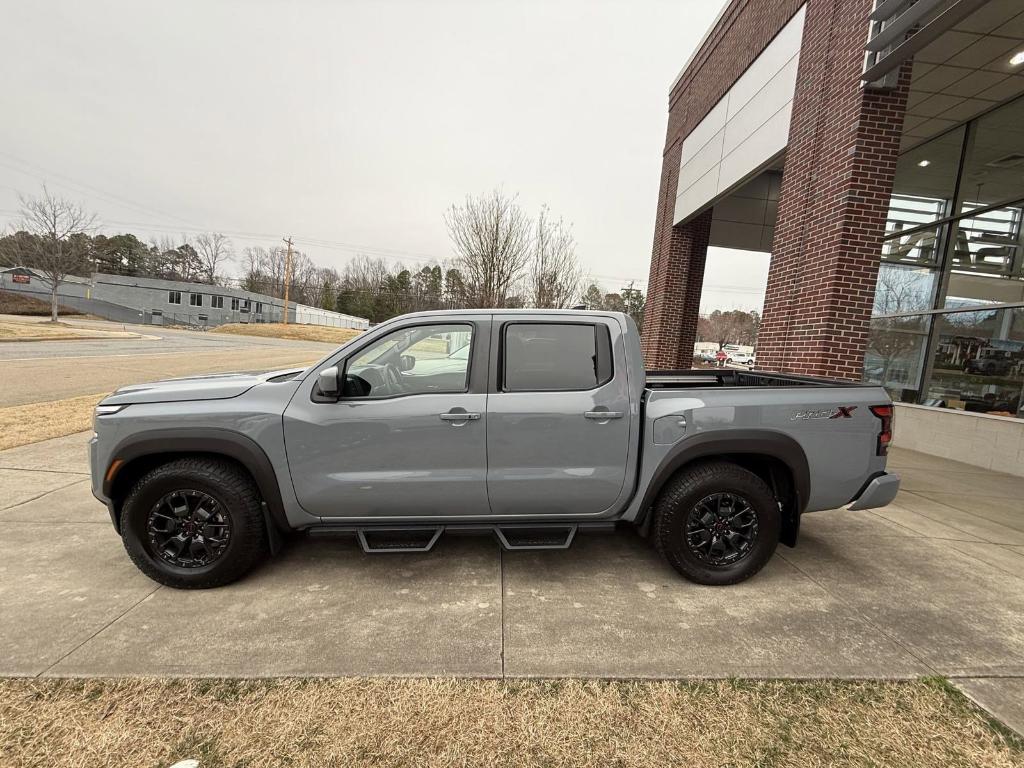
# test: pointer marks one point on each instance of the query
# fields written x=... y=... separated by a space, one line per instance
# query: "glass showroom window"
x=953 y=242
x=895 y=354
x=978 y=363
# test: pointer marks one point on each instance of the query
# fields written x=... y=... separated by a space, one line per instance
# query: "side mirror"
x=406 y=362
x=327 y=382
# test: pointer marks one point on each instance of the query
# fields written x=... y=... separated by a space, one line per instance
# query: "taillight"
x=884 y=412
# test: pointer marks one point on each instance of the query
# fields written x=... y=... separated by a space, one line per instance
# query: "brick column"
x=843 y=145
x=676 y=280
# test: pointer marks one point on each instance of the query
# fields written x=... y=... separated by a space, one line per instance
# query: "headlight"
x=107 y=410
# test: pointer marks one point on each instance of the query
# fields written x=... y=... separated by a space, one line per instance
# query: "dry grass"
x=24 y=424
x=15 y=303
x=34 y=330
x=402 y=722
x=290 y=331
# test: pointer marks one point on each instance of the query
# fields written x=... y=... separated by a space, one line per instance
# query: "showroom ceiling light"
x=925 y=163
x=1017 y=59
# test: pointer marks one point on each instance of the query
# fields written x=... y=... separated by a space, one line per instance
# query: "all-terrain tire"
x=238 y=499
x=685 y=491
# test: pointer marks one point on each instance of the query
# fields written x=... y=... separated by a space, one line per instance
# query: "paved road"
x=49 y=370
x=933 y=585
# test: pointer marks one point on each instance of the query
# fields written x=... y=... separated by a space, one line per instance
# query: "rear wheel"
x=194 y=523
x=716 y=523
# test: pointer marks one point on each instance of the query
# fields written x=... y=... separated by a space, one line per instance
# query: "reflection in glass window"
x=925 y=181
x=902 y=289
x=979 y=362
x=989 y=241
x=994 y=166
x=895 y=354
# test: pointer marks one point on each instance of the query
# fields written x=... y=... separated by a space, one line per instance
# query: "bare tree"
x=555 y=276
x=734 y=326
x=214 y=251
x=492 y=238
x=54 y=251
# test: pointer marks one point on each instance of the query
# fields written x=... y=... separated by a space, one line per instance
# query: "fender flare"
x=208 y=440
x=733 y=442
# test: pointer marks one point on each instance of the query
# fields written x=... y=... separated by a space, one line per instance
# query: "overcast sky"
x=354 y=124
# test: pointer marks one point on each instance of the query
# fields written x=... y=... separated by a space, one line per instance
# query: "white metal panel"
x=709 y=156
x=746 y=129
x=762 y=145
x=776 y=94
x=765 y=67
x=706 y=130
x=694 y=196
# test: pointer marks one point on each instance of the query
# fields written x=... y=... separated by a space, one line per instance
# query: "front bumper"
x=879 y=492
x=96 y=470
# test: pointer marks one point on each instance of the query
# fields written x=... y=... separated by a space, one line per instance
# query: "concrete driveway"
x=931 y=585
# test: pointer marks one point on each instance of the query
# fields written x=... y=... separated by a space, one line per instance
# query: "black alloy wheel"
x=194 y=523
x=716 y=522
x=721 y=528
x=188 y=529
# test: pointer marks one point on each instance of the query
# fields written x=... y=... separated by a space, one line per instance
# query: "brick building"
x=875 y=148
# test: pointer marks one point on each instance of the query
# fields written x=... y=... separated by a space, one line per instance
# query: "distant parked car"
x=989 y=366
x=740 y=358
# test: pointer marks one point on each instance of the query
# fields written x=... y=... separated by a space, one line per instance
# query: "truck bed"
x=703 y=378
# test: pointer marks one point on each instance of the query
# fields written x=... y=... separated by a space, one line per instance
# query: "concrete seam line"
x=44 y=493
x=105 y=626
x=964 y=511
x=986 y=562
x=51 y=471
x=875 y=513
x=864 y=617
x=501 y=603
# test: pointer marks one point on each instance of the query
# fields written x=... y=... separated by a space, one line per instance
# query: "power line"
x=391 y=254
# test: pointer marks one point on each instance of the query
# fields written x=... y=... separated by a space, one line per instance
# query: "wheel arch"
x=136 y=455
x=775 y=457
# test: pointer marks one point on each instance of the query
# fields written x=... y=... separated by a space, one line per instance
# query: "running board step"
x=377 y=540
x=520 y=537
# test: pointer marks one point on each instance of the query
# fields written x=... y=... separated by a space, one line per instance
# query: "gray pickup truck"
x=532 y=425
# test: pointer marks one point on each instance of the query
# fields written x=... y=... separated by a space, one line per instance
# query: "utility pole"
x=287 y=276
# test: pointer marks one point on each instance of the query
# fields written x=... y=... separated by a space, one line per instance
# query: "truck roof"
x=498 y=310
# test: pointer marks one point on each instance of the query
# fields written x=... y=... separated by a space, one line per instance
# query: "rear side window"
x=556 y=356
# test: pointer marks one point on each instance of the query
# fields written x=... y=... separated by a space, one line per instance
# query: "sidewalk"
x=932 y=585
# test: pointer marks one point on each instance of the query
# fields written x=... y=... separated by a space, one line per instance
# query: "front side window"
x=217 y=302
x=556 y=356
x=424 y=359
x=234 y=305
x=174 y=297
x=195 y=299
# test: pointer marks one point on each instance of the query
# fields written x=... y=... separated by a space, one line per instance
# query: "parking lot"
x=929 y=586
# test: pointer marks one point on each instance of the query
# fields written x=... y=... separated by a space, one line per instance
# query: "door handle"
x=458 y=416
x=603 y=415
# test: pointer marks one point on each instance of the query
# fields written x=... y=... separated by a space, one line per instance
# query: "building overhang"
x=965 y=71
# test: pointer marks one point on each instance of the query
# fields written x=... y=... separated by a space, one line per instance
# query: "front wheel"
x=194 y=523
x=717 y=523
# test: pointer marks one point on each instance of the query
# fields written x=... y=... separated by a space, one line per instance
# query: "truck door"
x=407 y=437
x=557 y=418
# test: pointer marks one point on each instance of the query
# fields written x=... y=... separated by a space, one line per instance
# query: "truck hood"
x=219 y=386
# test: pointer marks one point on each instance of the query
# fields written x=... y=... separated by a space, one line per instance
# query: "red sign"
x=21 y=278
